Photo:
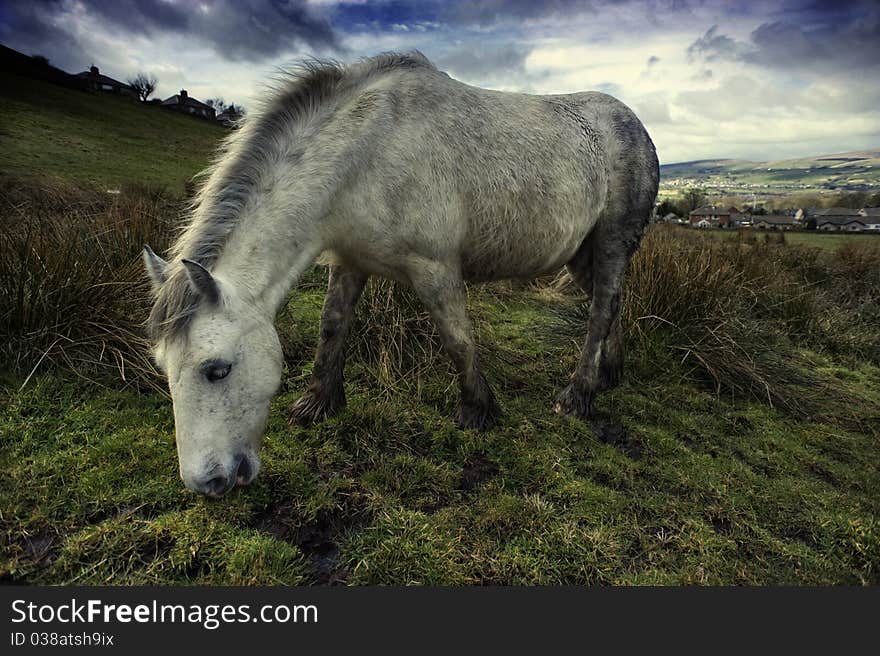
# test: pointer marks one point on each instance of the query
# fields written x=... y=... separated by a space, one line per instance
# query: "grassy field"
x=49 y=132
x=741 y=447
x=672 y=483
x=826 y=241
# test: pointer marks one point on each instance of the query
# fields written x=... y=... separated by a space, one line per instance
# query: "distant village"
x=829 y=219
x=94 y=80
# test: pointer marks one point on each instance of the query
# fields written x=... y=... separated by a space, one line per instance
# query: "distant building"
x=837 y=219
x=774 y=222
x=230 y=116
x=827 y=212
x=672 y=217
x=183 y=103
x=97 y=81
x=840 y=224
x=871 y=217
x=712 y=216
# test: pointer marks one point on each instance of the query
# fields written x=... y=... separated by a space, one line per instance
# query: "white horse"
x=388 y=167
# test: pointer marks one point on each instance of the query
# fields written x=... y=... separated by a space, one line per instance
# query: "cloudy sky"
x=756 y=80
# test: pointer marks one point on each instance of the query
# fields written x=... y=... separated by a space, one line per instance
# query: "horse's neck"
x=278 y=240
x=280 y=235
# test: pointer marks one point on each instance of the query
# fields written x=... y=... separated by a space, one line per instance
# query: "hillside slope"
x=854 y=171
x=47 y=131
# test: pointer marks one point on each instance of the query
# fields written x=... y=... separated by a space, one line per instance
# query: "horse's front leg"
x=443 y=293
x=326 y=394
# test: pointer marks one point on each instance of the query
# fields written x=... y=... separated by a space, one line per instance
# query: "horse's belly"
x=530 y=249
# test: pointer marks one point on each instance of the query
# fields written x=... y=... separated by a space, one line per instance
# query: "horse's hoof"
x=313 y=408
x=574 y=400
x=477 y=416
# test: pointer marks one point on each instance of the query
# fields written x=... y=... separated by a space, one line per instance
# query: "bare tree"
x=144 y=85
x=217 y=103
x=692 y=199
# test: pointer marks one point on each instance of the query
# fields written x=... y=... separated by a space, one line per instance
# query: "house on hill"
x=182 y=102
x=837 y=219
x=97 y=81
x=712 y=216
x=774 y=222
x=230 y=116
x=840 y=224
x=871 y=217
x=841 y=212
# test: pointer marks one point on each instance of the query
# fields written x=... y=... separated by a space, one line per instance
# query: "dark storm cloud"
x=142 y=15
x=843 y=38
x=236 y=29
x=458 y=13
x=29 y=26
x=494 y=11
x=853 y=47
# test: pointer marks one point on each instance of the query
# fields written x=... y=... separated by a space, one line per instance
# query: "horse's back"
x=509 y=183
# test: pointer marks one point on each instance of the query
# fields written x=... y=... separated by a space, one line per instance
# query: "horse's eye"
x=215 y=370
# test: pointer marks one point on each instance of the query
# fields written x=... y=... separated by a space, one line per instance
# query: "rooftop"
x=775 y=219
x=183 y=98
x=94 y=74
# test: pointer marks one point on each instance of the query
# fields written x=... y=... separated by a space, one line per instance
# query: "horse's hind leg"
x=326 y=393
x=600 y=265
x=443 y=293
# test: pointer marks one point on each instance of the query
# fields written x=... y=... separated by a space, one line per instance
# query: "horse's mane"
x=293 y=96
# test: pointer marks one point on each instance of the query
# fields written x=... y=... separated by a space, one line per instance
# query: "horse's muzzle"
x=242 y=473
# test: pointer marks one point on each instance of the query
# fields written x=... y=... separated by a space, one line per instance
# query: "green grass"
x=827 y=241
x=830 y=241
x=50 y=132
x=671 y=484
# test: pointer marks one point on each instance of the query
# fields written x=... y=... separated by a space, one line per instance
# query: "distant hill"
x=48 y=131
x=858 y=170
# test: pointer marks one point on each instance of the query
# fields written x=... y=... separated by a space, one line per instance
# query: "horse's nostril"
x=217 y=486
x=243 y=474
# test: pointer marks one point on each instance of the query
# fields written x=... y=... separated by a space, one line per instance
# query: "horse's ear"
x=157 y=268
x=202 y=281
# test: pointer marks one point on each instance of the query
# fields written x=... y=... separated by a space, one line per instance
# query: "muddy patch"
x=38 y=551
x=39 y=548
x=317 y=539
x=616 y=435
x=477 y=470
x=721 y=524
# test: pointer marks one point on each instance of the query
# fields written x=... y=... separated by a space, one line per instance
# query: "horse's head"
x=222 y=371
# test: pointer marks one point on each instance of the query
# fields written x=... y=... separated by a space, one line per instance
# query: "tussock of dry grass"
x=393 y=333
x=72 y=289
x=396 y=339
x=735 y=314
